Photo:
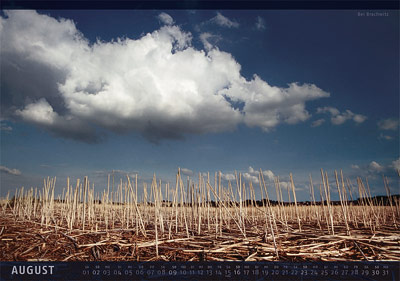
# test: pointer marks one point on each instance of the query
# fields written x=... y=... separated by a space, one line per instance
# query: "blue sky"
x=84 y=93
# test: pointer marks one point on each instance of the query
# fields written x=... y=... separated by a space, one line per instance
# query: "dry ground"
x=31 y=241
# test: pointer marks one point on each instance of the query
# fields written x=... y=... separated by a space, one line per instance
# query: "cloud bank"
x=158 y=85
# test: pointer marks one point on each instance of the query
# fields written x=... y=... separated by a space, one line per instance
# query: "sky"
x=91 y=93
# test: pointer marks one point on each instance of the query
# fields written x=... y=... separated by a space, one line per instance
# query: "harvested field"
x=200 y=221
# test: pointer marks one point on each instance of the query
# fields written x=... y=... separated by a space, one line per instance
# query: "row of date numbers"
x=236 y=272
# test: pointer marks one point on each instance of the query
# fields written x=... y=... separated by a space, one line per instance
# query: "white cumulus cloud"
x=158 y=85
x=266 y=106
x=40 y=112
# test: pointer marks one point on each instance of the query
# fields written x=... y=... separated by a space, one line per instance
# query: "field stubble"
x=199 y=221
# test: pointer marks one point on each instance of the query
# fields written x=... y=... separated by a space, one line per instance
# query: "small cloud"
x=228 y=177
x=389 y=124
x=40 y=112
x=317 y=123
x=347 y=115
x=260 y=23
x=224 y=21
x=166 y=19
x=250 y=177
x=396 y=164
x=269 y=174
x=327 y=109
x=375 y=167
x=385 y=137
x=355 y=167
x=338 y=118
x=186 y=172
x=6 y=170
x=4 y=127
x=358 y=118
x=253 y=175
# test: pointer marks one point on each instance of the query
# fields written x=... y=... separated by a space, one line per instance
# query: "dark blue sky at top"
x=355 y=59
